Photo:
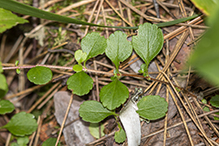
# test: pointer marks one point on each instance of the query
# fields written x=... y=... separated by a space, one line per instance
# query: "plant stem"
x=12 y=66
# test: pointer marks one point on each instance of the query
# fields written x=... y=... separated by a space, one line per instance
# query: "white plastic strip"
x=131 y=123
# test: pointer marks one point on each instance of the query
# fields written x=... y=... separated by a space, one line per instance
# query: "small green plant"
x=113 y=95
x=147 y=45
x=21 y=124
x=117 y=48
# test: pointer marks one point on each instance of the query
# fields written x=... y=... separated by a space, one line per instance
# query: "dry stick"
x=178 y=33
x=45 y=5
x=44 y=53
x=123 y=81
x=104 y=20
x=24 y=92
x=29 y=48
x=206 y=118
x=167 y=94
x=129 y=15
x=75 y=5
x=96 y=81
x=149 y=18
x=170 y=5
x=21 y=76
x=165 y=123
x=64 y=120
x=180 y=112
x=56 y=130
x=127 y=61
x=118 y=13
x=182 y=27
x=176 y=106
x=49 y=97
x=193 y=25
x=190 y=106
x=182 y=8
x=100 y=139
x=181 y=115
x=39 y=122
x=8 y=140
x=91 y=16
x=19 y=98
x=14 y=49
x=143 y=10
x=98 y=12
x=100 y=72
x=156 y=6
x=178 y=124
x=33 y=135
x=166 y=9
x=186 y=108
x=43 y=97
x=136 y=59
x=2 y=46
x=89 y=13
x=60 y=12
x=187 y=81
x=121 y=12
x=127 y=82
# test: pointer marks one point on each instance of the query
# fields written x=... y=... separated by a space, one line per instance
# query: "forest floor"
x=184 y=124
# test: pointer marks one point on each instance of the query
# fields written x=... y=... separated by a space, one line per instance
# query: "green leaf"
x=1 y=70
x=23 y=141
x=16 y=63
x=148 y=43
x=205 y=57
x=29 y=10
x=14 y=144
x=77 y=68
x=206 y=109
x=80 y=83
x=204 y=101
x=8 y=20
x=6 y=106
x=22 y=124
x=93 y=111
x=216 y=118
x=3 y=86
x=118 y=48
x=169 y=23
x=80 y=56
x=215 y=101
x=18 y=71
x=93 y=44
x=39 y=75
x=120 y=136
x=206 y=6
x=94 y=130
x=50 y=142
x=143 y=69
x=114 y=94
x=152 y=107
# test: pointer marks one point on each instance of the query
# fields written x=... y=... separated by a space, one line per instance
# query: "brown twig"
x=64 y=120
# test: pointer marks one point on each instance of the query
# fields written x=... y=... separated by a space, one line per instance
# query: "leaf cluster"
x=147 y=44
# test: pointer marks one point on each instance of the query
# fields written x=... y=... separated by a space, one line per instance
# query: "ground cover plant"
x=113 y=102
